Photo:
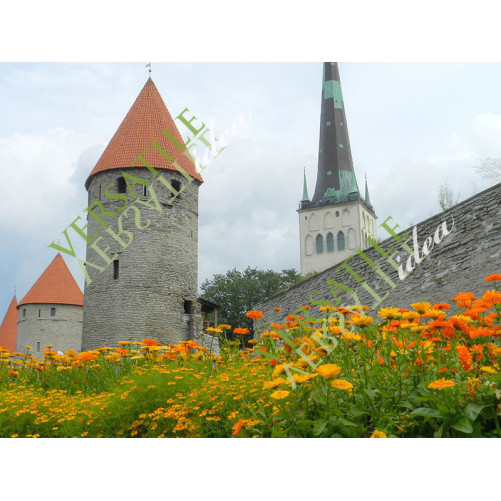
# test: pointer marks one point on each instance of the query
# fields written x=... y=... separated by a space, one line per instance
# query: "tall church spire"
x=336 y=180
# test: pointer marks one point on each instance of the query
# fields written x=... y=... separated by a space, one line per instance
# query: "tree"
x=446 y=196
x=489 y=168
x=238 y=292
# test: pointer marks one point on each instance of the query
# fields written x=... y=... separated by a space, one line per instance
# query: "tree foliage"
x=238 y=292
x=489 y=168
x=446 y=196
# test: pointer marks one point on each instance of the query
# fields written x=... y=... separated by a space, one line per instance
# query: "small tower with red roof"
x=8 y=329
x=51 y=311
x=142 y=250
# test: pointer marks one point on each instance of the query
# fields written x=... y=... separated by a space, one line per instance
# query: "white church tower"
x=337 y=220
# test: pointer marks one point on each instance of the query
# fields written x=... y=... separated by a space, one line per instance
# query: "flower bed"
x=418 y=373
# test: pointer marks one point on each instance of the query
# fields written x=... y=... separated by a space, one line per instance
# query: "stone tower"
x=141 y=267
x=51 y=311
x=337 y=220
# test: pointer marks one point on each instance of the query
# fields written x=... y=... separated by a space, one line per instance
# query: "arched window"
x=122 y=185
x=340 y=241
x=330 y=242
x=320 y=244
x=309 y=245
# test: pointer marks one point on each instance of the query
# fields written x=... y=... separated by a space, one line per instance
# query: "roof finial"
x=149 y=66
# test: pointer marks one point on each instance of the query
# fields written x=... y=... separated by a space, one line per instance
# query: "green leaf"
x=472 y=411
x=463 y=425
x=426 y=412
x=438 y=433
x=319 y=427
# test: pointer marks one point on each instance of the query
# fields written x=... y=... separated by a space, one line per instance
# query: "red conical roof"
x=144 y=123
x=55 y=285
x=8 y=329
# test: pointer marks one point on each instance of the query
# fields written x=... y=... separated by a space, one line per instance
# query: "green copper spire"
x=367 y=198
x=336 y=177
x=305 y=198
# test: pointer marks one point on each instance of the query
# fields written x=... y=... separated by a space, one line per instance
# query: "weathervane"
x=149 y=66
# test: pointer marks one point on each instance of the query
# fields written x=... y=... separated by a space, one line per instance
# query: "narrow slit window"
x=145 y=189
x=116 y=268
x=39 y=313
x=53 y=312
x=38 y=346
x=122 y=185
x=176 y=184
x=24 y=312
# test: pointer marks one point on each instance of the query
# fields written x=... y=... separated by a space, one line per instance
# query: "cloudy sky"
x=412 y=127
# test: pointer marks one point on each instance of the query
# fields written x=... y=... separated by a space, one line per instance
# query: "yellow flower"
x=328 y=371
x=351 y=337
x=341 y=384
x=378 y=434
x=359 y=320
x=224 y=327
x=463 y=318
x=421 y=307
x=124 y=343
x=441 y=383
x=488 y=369
x=212 y=329
x=279 y=394
x=410 y=315
x=389 y=313
x=29 y=347
x=431 y=313
x=279 y=369
x=274 y=383
x=302 y=378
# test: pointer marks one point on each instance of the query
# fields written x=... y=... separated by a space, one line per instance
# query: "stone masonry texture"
x=36 y=325
x=459 y=263
x=157 y=272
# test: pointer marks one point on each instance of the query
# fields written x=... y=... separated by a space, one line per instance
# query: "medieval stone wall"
x=459 y=262
x=37 y=328
x=157 y=272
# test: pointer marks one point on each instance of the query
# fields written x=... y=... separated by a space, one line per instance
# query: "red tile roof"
x=143 y=124
x=8 y=329
x=55 y=285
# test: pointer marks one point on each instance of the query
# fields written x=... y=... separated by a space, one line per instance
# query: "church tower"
x=142 y=231
x=338 y=219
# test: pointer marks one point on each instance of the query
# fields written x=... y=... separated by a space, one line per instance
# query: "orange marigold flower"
x=464 y=357
x=237 y=427
x=254 y=314
x=441 y=306
x=239 y=330
x=378 y=434
x=477 y=349
x=493 y=278
x=464 y=299
x=328 y=371
x=441 y=383
x=277 y=309
x=151 y=342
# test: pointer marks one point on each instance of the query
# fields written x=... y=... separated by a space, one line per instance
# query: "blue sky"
x=412 y=126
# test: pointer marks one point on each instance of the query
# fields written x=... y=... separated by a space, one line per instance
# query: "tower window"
x=330 y=242
x=337 y=213
x=340 y=241
x=122 y=185
x=320 y=244
x=328 y=124
x=144 y=190
x=176 y=184
x=38 y=346
x=53 y=312
x=24 y=312
x=188 y=307
x=116 y=267
x=99 y=194
x=39 y=313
